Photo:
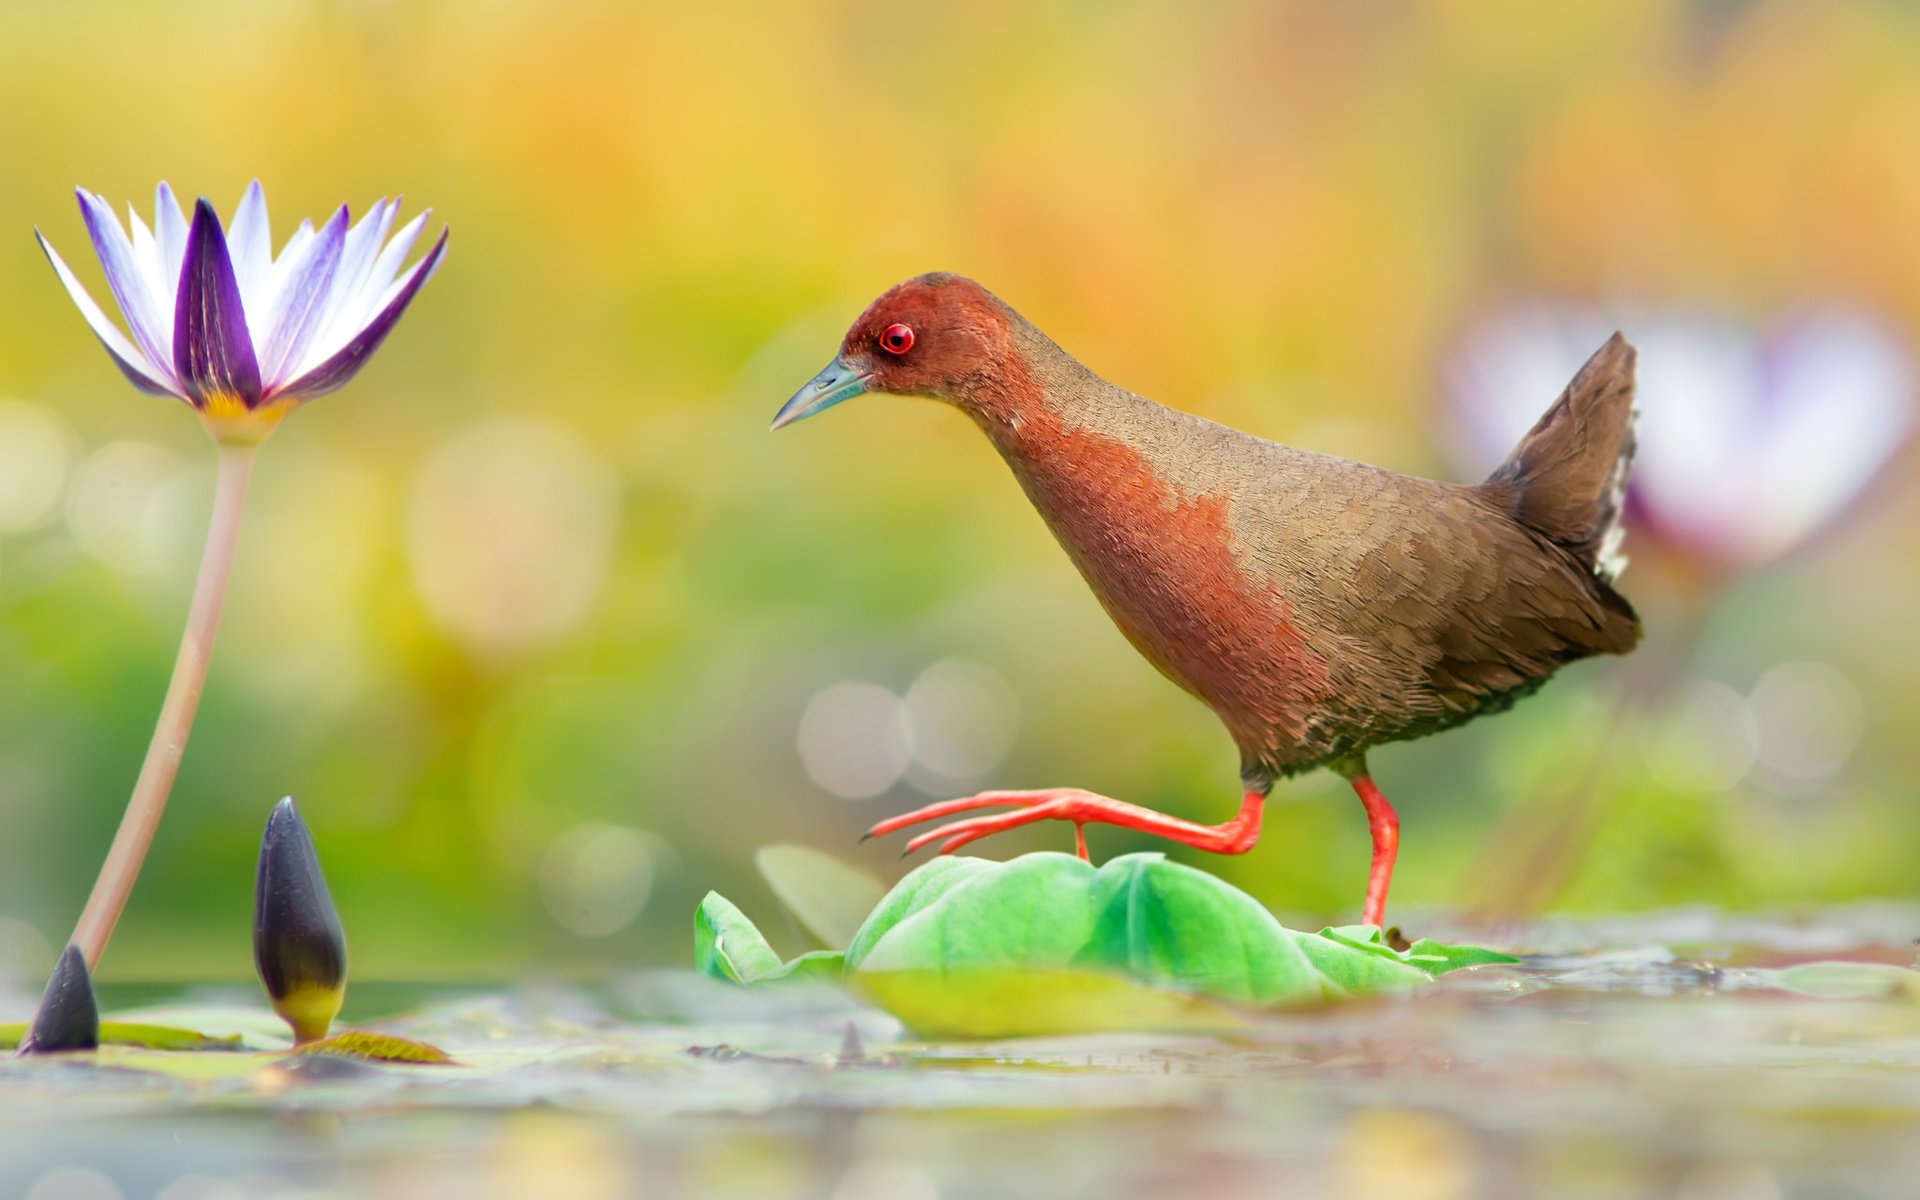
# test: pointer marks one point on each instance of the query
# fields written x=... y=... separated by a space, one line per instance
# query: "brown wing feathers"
x=1566 y=477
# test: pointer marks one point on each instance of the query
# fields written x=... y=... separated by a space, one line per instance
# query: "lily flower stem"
x=149 y=799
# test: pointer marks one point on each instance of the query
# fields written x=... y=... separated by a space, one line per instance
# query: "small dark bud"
x=298 y=946
x=68 y=1018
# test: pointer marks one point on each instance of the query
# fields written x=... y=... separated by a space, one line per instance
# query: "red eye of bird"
x=898 y=339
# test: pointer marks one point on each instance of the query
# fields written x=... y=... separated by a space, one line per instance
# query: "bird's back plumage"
x=1319 y=605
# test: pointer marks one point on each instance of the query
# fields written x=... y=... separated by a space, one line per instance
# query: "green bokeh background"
x=1281 y=216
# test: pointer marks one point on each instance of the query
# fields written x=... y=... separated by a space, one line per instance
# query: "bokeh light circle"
x=1703 y=739
x=122 y=503
x=595 y=878
x=1810 y=718
x=36 y=452
x=855 y=739
x=965 y=718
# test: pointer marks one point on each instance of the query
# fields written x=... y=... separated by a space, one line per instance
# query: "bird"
x=1319 y=606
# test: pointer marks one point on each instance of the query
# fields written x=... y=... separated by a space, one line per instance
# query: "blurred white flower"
x=1751 y=442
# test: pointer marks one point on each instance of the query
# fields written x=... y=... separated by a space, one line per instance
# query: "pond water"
x=1651 y=1056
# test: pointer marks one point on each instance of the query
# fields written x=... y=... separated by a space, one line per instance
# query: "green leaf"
x=953 y=951
x=1173 y=925
x=1849 y=980
x=1020 y=1002
x=829 y=898
x=1047 y=943
x=923 y=887
x=379 y=1047
x=134 y=1033
x=726 y=945
x=1036 y=914
x=1437 y=959
x=815 y=966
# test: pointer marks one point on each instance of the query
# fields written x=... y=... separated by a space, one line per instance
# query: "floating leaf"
x=921 y=888
x=134 y=1033
x=1048 y=943
x=1019 y=1002
x=163 y=1037
x=1437 y=959
x=963 y=936
x=830 y=899
x=726 y=945
x=815 y=966
x=379 y=1047
x=1849 y=980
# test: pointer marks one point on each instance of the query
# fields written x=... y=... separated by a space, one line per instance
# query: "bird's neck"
x=1038 y=402
x=1082 y=451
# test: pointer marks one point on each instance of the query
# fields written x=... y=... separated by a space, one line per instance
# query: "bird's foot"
x=1078 y=806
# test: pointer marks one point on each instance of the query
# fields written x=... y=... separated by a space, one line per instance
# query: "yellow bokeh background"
x=531 y=616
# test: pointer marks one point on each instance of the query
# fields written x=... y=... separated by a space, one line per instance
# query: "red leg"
x=1082 y=808
x=1385 y=826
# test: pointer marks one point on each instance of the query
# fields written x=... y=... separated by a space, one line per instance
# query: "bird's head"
x=938 y=335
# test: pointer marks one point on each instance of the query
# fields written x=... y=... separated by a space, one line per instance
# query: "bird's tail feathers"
x=1567 y=479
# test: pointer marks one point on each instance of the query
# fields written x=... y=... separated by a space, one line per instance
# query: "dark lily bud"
x=298 y=946
x=68 y=1018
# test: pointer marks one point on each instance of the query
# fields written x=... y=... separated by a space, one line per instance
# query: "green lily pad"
x=379 y=1047
x=1849 y=980
x=1047 y=943
x=991 y=1003
x=134 y=1033
x=726 y=945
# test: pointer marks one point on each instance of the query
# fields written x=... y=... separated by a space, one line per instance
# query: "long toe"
x=947 y=808
x=959 y=833
x=933 y=812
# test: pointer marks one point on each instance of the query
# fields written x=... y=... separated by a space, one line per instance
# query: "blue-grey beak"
x=839 y=380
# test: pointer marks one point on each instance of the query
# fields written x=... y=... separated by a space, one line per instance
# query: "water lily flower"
x=219 y=321
x=68 y=1017
x=1751 y=442
x=242 y=336
x=299 y=948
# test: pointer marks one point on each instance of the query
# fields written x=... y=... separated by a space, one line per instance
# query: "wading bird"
x=1318 y=606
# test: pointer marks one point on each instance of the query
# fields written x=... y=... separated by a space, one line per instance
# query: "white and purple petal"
x=127 y=280
x=147 y=254
x=132 y=362
x=221 y=322
x=250 y=244
x=343 y=314
x=169 y=234
x=386 y=268
x=212 y=348
x=297 y=311
x=346 y=362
